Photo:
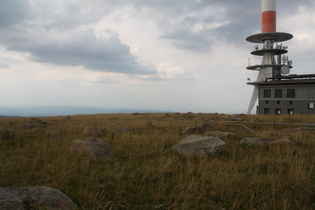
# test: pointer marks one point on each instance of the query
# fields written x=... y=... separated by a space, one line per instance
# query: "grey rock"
x=96 y=148
x=6 y=134
x=40 y=197
x=264 y=142
x=199 y=146
x=197 y=129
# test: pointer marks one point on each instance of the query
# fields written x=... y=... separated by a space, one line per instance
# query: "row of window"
x=278 y=111
x=278 y=93
x=278 y=102
x=289 y=111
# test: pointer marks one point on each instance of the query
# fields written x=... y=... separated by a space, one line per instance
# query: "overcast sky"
x=178 y=55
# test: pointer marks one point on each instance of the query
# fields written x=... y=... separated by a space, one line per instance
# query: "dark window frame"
x=278 y=93
x=290 y=93
x=267 y=93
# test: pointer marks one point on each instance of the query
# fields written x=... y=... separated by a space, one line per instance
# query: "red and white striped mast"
x=270 y=68
x=268 y=16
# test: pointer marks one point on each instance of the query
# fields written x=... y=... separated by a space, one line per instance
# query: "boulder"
x=199 y=146
x=96 y=148
x=197 y=129
x=264 y=142
x=6 y=134
x=40 y=197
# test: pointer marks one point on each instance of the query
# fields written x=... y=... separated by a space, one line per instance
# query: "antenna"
x=285 y=69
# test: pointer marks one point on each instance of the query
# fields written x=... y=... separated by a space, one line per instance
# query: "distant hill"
x=42 y=111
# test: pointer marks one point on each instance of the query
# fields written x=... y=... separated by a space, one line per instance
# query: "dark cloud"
x=51 y=31
x=62 y=39
x=239 y=19
x=188 y=40
x=13 y=12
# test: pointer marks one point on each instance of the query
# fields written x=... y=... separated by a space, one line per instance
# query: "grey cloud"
x=49 y=40
x=82 y=49
x=13 y=12
x=241 y=19
x=188 y=40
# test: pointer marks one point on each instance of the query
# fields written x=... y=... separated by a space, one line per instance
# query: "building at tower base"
x=292 y=94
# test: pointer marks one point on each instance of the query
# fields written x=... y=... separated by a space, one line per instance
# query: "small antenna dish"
x=285 y=69
x=290 y=63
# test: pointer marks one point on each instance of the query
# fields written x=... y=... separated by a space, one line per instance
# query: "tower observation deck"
x=271 y=51
x=273 y=64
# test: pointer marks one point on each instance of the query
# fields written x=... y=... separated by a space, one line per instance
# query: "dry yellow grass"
x=144 y=172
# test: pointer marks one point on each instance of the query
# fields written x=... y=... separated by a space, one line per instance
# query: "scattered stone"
x=197 y=129
x=221 y=134
x=265 y=142
x=95 y=147
x=124 y=130
x=6 y=134
x=199 y=146
x=40 y=197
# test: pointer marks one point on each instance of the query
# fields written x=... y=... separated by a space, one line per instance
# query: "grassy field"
x=145 y=173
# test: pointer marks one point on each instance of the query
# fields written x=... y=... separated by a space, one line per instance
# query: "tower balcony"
x=260 y=66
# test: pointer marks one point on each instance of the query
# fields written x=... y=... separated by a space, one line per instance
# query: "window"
x=291 y=93
x=290 y=111
x=267 y=111
x=267 y=93
x=310 y=105
x=278 y=111
x=278 y=93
